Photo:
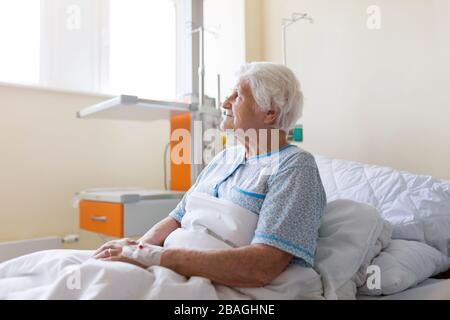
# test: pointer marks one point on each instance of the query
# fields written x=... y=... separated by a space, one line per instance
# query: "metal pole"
x=201 y=69
x=196 y=21
x=283 y=42
x=218 y=103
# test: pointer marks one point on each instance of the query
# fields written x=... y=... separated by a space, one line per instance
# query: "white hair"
x=274 y=85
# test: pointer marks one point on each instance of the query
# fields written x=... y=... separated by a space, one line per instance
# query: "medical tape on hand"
x=146 y=254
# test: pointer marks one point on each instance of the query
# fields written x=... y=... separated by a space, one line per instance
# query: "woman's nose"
x=226 y=104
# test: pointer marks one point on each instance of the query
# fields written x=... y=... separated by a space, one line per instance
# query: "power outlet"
x=71 y=238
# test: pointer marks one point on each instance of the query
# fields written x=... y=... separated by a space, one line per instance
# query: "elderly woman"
x=247 y=228
x=289 y=201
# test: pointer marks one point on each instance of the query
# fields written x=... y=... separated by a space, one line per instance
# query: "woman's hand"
x=144 y=254
x=112 y=246
x=130 y=251
x=115 y=254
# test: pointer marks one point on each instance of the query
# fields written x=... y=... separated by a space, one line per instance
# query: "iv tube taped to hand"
x=146 y=254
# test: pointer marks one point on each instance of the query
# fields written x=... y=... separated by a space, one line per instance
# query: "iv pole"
x=201 y=67
x=286 y=23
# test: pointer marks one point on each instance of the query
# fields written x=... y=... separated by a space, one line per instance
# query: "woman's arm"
x=250 y=266
x=160 y=231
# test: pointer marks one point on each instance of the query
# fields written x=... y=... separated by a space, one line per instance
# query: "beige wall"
x=373 y=96
x=253 y=30
x=47 y=155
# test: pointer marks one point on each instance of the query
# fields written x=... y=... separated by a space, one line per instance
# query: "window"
x=142 y=48
x=105 y=46
x=19 y=36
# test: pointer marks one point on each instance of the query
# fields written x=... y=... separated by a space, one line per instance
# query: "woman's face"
x=241 y=110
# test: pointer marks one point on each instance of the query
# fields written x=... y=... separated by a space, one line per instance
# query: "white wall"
x=376 y=96
x=47 y=155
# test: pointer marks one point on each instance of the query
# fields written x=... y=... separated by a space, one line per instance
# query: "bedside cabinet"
x=124 y=213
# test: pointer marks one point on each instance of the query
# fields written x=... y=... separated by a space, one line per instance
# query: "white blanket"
x=68 y=274
x=351 y=235
x=404 y=264
x=71 y=274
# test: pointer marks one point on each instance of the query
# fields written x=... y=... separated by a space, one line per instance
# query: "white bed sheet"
x=430 y=289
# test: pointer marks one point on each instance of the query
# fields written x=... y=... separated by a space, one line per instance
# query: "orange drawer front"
x=102 y=217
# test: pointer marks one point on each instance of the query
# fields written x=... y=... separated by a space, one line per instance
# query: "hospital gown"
x=283 y=188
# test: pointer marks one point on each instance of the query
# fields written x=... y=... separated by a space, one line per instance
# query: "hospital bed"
x=395 y=220
x=415 y=252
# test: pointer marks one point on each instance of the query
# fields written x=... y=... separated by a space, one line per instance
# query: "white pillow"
x=404 y=264
x=350 y=236
x=417 y=205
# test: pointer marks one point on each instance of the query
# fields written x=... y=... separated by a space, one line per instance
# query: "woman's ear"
x=271 y=116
